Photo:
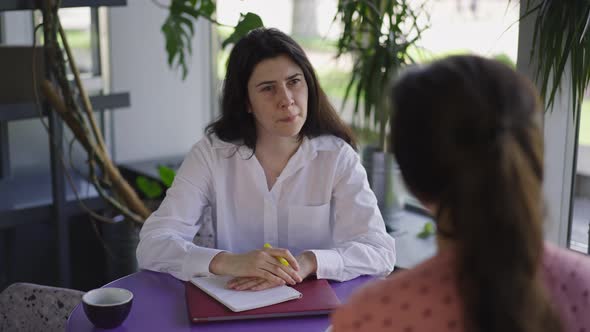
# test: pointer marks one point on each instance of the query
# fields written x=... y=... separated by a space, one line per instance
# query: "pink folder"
x=318 y=299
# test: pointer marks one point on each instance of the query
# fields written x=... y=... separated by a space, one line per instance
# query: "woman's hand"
x=307 y=266
x=262 y=264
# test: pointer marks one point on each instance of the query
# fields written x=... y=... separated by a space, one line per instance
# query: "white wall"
x=166 y=115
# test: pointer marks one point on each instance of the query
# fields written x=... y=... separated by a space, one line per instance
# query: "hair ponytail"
x=475 y=149
x=500 y=247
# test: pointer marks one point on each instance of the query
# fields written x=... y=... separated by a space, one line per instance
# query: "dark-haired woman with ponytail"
x=467 y=135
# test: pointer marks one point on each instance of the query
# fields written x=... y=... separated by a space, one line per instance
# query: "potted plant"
x=380 y=35
x=561 y=35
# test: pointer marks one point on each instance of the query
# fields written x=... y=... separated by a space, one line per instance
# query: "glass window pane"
x=77 y=25
x=81 y=33
x=580 y=222
x=488 y=28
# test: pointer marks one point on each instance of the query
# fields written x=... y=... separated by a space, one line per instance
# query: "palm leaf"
x=378 y=34
x=178 y=29
x=560 y=37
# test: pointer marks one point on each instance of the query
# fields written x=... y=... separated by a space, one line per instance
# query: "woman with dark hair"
x=277 y=167
x=467 y=134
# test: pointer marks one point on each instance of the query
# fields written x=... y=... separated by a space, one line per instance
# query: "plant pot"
x=385 y=180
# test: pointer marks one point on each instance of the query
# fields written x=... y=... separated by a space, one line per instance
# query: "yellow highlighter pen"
x=280 y=259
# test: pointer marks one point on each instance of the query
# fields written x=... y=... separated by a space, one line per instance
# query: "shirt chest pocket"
x=309 y=227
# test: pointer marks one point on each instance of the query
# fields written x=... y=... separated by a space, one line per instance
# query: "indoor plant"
x=380 y=35
x=72 y=104
x=178 y=28
x=561 y=35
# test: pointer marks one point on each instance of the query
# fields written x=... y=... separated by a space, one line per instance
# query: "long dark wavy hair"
x=466 y=132
x=235 y=123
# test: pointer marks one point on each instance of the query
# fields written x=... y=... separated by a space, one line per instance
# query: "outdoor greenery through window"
x=580 y=222
x=488 y=28
x=80 y=27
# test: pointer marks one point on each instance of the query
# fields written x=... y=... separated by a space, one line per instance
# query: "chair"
x=32 y=307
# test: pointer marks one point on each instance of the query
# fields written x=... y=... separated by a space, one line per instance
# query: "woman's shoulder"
x=567 y=278
x=212 y=141
x=335 y=148
x=564 y=264
x=560 y=259
x=211 y=145
x=418 y=299
x=329 y=143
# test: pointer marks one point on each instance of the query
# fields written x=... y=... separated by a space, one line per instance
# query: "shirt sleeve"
x=362 y=246
x=166 y=237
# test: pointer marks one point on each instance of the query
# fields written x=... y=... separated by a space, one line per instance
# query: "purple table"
x=159 y=305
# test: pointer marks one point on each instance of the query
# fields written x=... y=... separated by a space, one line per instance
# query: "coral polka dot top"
x=426 y=298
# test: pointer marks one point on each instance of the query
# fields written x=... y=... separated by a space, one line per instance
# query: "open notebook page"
x=243 y=300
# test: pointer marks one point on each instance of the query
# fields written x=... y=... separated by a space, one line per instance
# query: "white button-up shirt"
x=321 y=202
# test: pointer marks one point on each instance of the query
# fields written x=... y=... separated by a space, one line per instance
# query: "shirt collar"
x=308 y=150
x=320 y=143
x=218 y=143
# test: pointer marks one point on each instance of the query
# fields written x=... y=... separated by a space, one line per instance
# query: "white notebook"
x=243 y=300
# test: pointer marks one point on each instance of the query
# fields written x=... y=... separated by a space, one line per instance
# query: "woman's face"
x=277 y=92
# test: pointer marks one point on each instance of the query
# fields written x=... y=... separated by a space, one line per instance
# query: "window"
x=488 y=28
x=579 y=226
x=82 y=32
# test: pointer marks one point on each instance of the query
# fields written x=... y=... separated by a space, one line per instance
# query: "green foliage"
x=79 y=39
x=167 y=175
x=178 y=29
x=149 y=188
x=561 y=35
x=247 y=22
x=504 y=58
x=152 y=189
x=427 y=230
x=380 y=35
x=331 y=80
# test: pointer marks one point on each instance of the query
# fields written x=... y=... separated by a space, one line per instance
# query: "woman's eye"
x=294 y=81
x=266 y=88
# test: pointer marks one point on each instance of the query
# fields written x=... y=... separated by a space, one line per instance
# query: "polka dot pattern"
x=426 y=298
x=567 y=276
